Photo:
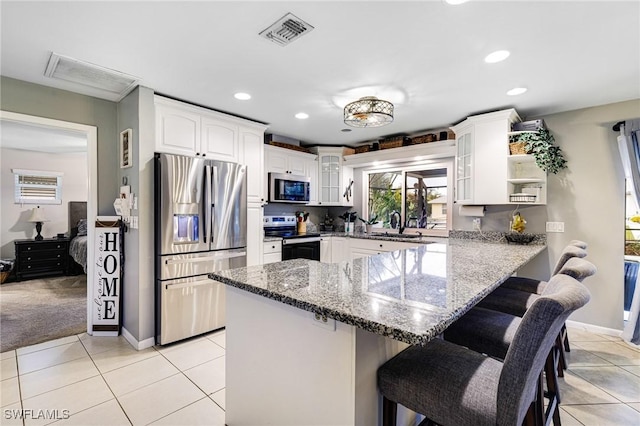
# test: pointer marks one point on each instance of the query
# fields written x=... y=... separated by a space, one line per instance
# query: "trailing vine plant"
x=549 y=157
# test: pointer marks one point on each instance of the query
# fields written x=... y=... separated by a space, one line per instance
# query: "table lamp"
x=37 y=216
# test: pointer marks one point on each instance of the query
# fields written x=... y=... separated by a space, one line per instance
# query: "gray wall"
x=589 y=198
x=32 y=99
x=136 y=112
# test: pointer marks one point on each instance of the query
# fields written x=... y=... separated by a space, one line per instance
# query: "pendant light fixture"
x=368 y=112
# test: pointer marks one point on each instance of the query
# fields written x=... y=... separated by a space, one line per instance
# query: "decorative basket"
x=522 y=198
x=518 y=148
x=361 y=149
x=289 y=146
x=4 y=276
x=424 y=139
x=394 y=142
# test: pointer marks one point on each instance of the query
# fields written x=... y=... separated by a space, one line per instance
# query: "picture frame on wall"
x=126 y=151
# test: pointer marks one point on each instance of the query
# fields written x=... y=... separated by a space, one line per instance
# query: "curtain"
x=629 y=146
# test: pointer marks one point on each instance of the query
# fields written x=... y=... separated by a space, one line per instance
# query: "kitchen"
x=583 y=132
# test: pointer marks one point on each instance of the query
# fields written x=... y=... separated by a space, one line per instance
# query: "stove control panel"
x=279 y=221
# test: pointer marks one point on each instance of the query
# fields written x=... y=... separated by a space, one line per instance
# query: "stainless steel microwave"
x=287 y=188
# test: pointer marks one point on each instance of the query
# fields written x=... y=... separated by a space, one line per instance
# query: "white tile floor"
x=103 y=381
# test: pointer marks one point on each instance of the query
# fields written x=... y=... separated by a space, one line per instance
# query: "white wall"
x=13 y=216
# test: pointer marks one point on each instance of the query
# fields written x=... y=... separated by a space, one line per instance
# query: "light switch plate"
x=555 y=226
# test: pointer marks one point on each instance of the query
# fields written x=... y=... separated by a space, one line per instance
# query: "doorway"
x=90 y=134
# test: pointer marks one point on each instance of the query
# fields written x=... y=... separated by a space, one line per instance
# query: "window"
x=419 y=195
x=37 y=187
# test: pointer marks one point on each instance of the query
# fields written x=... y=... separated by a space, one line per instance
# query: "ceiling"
x=31 y=137
x=568 y=54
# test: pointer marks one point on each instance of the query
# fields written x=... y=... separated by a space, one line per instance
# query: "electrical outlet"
x=555 y=226
x=477 y=224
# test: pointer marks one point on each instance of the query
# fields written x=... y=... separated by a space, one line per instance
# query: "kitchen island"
x=304 y=338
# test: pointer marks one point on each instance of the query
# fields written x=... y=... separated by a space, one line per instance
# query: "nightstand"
x=46 y=257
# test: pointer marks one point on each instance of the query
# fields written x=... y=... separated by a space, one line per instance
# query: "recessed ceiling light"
x=497 y=56
x=517 y=91
x=242 y=96
x=455 y=2
x=302 y=116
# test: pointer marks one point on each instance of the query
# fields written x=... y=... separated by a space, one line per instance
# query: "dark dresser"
x=46 y=257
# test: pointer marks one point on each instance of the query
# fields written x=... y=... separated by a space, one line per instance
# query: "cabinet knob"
x=197 y=153
x=28 y=258
x=28 y=248
x=273 y=247
x=29 y=267
x=380 y=245
x=58 y=255
x=204 y=155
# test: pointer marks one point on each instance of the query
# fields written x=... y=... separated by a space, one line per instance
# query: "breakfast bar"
x=304 y=338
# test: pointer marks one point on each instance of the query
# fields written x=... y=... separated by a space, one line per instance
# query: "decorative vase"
x=369 y=228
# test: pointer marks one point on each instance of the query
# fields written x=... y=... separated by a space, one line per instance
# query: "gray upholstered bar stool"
x=575 y=248
x=491 y=332
x=516 y=302
x=453 y=385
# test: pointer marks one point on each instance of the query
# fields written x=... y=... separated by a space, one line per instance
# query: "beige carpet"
x=38 y=310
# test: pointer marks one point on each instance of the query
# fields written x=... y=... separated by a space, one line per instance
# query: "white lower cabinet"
x=325 y=250
x=254 y=234
x=365 y=247
x=271 y=251
x=339 y=249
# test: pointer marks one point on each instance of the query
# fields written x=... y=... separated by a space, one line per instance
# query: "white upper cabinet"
x=252 y=154
x=283 y=160
x=177 y=129
x=482 y=150
x=190 y=130
x=334 y=178
x=219 y=140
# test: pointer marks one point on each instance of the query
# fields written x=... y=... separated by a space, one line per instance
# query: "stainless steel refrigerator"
x=200 y=227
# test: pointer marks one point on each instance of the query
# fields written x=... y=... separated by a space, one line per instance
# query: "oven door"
x=301 y=248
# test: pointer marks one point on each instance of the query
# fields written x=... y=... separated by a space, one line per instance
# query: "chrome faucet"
x=398 y=221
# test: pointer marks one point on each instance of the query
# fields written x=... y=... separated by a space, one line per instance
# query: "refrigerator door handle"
x=203 y=281
x=213 y=192
x=206 y=259
x=207 y=203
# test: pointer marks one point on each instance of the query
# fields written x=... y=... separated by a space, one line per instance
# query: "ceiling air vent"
x=114 y=84
x=286 y=29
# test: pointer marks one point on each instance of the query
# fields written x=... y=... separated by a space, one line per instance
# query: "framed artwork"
x=126 y=152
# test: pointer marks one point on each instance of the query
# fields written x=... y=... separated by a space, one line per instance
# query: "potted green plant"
x=368 y=223
x=540 y=144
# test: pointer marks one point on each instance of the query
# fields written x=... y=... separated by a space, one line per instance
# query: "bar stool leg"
x=389 y=412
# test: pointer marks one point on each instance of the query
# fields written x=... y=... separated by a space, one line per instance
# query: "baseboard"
x=595 y=328
x=147 y=343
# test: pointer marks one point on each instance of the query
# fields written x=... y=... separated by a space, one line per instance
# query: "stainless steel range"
x=294 y=245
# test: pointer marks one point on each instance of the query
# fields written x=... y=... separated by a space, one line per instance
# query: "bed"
x=78 y=236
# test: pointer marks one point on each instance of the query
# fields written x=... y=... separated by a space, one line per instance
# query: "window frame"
x=442 y=163
x=19 y=197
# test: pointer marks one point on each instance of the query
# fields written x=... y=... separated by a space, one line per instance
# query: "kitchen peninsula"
x=304 y=338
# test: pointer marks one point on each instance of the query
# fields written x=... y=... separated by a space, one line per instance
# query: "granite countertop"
x=410 y=295
x=405 y=238
x=269 y=239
